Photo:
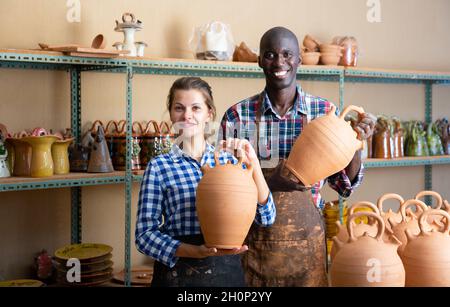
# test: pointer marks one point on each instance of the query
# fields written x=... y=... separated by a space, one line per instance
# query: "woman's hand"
x=240 y=147
x=201 y=251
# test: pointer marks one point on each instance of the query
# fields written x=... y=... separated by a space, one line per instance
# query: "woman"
x=169 y=187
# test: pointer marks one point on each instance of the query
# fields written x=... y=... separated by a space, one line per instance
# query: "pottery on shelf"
x=325 y=147
x=79 y=153
x=4 y=169
x=129 y=26
x=99 y=158
x=426 y=257
x=22 y=157
x=366 y=261
x=226 y=204
x=41 y=154
x=60 y=155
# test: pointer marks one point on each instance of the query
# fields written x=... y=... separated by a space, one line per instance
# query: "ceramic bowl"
x=310 y=43
x=310 y=58
x=330 y=58
x=329 y=48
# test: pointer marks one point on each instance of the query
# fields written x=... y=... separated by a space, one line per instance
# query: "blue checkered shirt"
x=169 y=189
x=278 y=134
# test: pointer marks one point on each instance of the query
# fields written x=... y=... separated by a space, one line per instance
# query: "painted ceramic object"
x=367 y=261
x=326 y=146
x=226 y=204
x=426 y=256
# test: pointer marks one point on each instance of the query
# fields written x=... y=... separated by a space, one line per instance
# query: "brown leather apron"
x=292 y=251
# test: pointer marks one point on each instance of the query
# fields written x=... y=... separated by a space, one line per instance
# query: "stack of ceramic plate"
x=21 y=283
x=95 y=264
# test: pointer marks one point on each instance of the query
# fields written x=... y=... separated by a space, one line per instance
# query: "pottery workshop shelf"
x=60 y=181
x=406 y=161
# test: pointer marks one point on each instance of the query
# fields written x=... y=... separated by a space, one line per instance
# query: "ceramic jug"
x=41 y=154
x=367 y=261
x=326 y=146
x=408 y=222
x=226 y=204
x=99 y=160
x=395 y=216
x=22 y=157
x=60 y=156
x=426 y=256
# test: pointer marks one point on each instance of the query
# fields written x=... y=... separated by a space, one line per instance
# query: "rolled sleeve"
x=265 y=214
x=342 y=184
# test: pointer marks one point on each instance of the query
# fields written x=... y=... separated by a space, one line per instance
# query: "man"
x=292 y=251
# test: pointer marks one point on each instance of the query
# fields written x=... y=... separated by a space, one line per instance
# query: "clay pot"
x=41 y=154
x=226 y=204
x=310 y=58
x=60 y=156
x=243 y=53
x=310 y=43
x=426 y=256
x=326 y=146
x=330 y=58
x=395 y=216
x=408 y=223
x=22 y=157
x=331 y=48
x=361 y=225
x=367 y=261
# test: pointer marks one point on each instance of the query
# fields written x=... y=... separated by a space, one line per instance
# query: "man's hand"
x=365 y=125
x=202 y=251
x=280 y=181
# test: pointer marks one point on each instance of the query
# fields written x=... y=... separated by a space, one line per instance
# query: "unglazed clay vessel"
x=367 y=261
x=408 y=222
x=326 y=146
x=426 y=256
x=226 y=204
x=395 y=216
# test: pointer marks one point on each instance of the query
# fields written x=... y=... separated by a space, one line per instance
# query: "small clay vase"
x=367 y=261
x=22 y=157
x=99 y=160
x=41 y=154
x=60 y=156
x=326 y=146
x=426 y=256
x=226 y=204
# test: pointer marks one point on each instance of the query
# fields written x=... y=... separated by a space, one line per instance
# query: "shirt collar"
x=176 y=153
x=300 y=105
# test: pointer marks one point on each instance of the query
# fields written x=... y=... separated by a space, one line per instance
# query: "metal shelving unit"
x=34 y=59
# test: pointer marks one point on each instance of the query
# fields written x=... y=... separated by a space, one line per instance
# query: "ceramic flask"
x=226 y=204
x=367 y=261
x=326 y=146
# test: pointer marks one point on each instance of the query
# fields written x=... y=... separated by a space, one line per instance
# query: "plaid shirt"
x=169 y=189
x=279 y=133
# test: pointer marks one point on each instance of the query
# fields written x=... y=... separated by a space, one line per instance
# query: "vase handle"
x=389 y=196
x=419 y=204
x=436 y=195
x=350 y=108
x=424 y=216
x=381 y=225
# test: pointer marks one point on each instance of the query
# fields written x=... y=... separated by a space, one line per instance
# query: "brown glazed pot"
x=408 y=222
x=226 y=204
x=367 y=261
x=326 y=146
x=426 y=257
x=395 y=216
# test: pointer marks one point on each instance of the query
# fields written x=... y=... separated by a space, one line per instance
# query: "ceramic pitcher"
x=367 y=261
x=60 y=156
x=326 y=146
x=226 y=204
x=41 y=154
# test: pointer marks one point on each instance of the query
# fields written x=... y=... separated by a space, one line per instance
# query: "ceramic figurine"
x=100 y=160
x=129 y=28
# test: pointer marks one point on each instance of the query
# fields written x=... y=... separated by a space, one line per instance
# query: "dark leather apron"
x=292 y=251
x=216 y=271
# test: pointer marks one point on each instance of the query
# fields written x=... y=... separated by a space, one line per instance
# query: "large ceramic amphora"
x=326 y=146
x=226 y=204
x=367 y=261
x=427 y=255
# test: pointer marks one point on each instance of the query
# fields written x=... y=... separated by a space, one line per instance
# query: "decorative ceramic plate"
x=97 y=260
x=84 y=251
x=21 y=283
x=87 y=267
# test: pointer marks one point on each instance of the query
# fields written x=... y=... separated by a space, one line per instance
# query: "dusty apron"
x=292 y=251
x=216 y=271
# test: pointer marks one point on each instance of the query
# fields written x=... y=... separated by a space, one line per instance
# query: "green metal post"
x=428 y=120
x=75 y=82
x=128 y=178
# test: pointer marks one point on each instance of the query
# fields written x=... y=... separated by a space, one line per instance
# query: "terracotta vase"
x=408 y=222
x=22 y=157
x=367 y=261
x=60 y=155
x=226 y=204
x=41 y=154
x=361 y=225
x=326 y=146
x=426 y=256
x=395 y=216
